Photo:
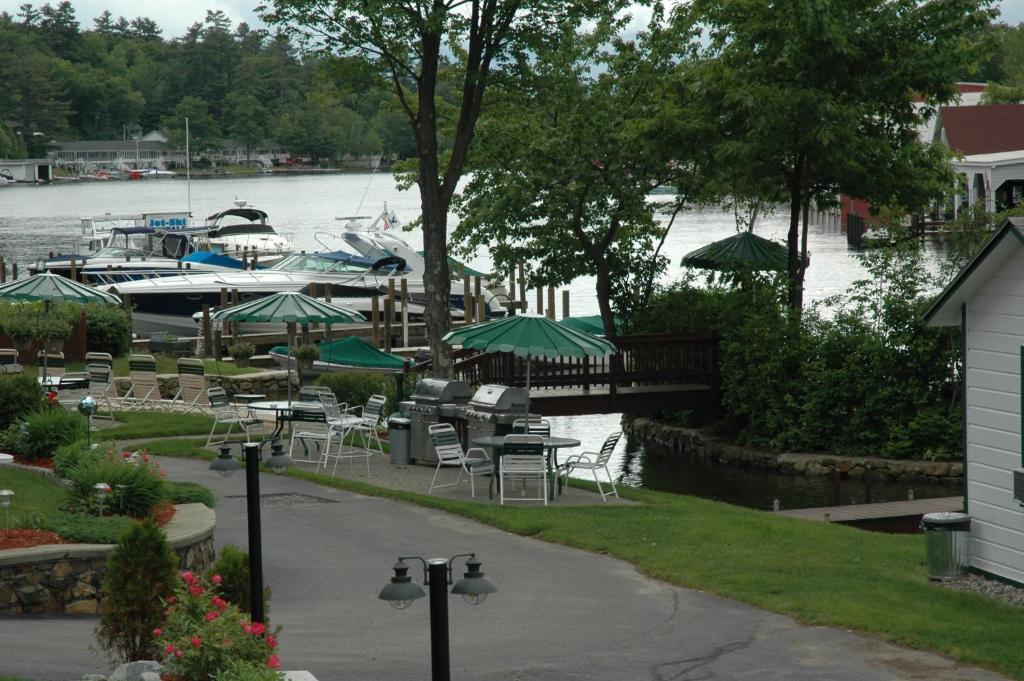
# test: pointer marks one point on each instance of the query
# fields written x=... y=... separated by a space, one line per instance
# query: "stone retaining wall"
x=66 y=578
x=690 y=441
x=273 y=384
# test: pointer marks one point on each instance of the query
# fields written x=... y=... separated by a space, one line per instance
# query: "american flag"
x=390 y=220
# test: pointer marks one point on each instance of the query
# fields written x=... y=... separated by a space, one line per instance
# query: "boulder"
x=135 y=671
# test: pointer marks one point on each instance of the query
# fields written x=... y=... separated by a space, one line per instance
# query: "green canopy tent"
x=353 y=351
x=530 y=335
x=290 y=308
x=592 y=324
x=745 y=250
x=50 y=288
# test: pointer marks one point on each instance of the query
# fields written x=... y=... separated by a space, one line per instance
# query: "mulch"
x=43 y=462
x=20 y=538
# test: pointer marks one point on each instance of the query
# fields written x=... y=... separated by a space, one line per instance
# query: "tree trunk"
x=604 y=297
x=793 y=237
x=802 y=270
x=436 y=278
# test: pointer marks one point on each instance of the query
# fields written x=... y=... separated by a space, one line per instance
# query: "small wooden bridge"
x=648 y=374
x=890 y=516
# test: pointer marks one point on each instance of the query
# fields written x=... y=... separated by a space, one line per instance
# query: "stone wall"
x=679 y=441
x=273 y=384
x=66 y=578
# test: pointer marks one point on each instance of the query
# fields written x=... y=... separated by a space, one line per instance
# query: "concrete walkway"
x=559 y=613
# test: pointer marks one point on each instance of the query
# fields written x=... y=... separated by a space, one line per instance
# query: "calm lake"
x=38 y=219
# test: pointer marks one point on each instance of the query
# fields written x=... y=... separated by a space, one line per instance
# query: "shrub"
x=25 y=322
x=242 y=670
x=108 y=328
x=190 y=493
x=140 y=576
x=82 y=529
x=68 y=456
x=136 y=484
x=241 y=351
x=20 y=394
x=43 y=431
x=233 y=568
x=204 y=635
x=355 y=387
x=306 y=353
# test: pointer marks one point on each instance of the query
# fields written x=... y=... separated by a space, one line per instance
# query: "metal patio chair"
x=449 y=454
x=593 y=462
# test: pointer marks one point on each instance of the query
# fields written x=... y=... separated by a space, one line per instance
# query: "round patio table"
x=282 y=411
x=551 y=445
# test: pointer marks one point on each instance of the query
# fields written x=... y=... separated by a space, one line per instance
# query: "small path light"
x=278 y=462
x=401 y=591
x=102 y=490
x=87 y=407
x=5 y=502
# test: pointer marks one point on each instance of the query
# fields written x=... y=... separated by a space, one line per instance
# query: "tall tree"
x=247 y=120
x=817 y=96
x=565 y=159
x=410 y=43
x=202 y=129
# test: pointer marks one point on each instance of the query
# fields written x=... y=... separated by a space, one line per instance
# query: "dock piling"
x=551 y=302
x=405 y=313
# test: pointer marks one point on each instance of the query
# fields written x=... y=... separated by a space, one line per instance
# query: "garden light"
x=87 y=407
x=102 y=489
x=279 y=461
x=400 y=592
x=5 y=502
x=225 y=464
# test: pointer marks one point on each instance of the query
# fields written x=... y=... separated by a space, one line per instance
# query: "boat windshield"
x=117 y=252
x=306 y=262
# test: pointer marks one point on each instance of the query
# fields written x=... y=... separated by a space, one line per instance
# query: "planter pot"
x=54 y=345
x=306 y=364
x=241 y=362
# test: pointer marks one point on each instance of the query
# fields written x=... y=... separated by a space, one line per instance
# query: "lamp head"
x=5 y=497
x=225 y=464
x=278 y=462
x=473 y=587
x=400 y=592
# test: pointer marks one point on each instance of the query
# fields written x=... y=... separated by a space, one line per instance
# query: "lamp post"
x=401 y=591
x=225 y=465
x=5 y=502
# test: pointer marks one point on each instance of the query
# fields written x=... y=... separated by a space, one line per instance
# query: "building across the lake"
x=26 y=170
x=987 y=301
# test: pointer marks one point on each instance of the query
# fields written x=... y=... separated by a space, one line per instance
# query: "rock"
x=150 y=676
x=32 y=594
x=87 y=607
x=93 y=677
x=135 y=671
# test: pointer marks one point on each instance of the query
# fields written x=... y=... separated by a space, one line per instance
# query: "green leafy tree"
x=247 y=119
x=202 y=129
x=141 y=573
x=817 y=96
x=410 y=44
x=564 y=162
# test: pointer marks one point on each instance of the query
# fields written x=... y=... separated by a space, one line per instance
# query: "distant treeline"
x=62 y=80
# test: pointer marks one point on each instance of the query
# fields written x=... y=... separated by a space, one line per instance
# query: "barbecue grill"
x=493 y=409
x=432 y=399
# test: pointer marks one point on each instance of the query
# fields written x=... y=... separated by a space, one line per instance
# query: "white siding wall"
x=995 y=334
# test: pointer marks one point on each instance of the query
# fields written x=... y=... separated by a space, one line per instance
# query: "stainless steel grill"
x=493 y=409
x=433 y=399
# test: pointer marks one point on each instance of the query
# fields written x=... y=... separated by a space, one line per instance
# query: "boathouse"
x=987 y=301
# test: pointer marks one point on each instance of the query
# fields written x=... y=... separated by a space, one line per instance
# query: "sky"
x=175 y=16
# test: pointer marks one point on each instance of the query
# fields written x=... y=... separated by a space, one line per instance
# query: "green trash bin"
x=946 y=544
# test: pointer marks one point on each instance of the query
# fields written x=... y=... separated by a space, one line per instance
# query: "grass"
x=169 y=365
x=145 y=424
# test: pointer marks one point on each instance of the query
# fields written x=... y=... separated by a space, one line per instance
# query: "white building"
x=987 y=301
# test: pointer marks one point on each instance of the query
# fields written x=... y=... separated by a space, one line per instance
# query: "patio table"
x=282 y=411
x=551 y=446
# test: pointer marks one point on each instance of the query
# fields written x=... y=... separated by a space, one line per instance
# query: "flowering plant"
x=204 y=634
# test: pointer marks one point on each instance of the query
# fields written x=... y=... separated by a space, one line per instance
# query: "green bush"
x=141 y=574
x=79 y=528
x=20 y=394
x=247 y=670
x=355 y=387
x=190 y=493
x=136 y=485
x=108 y=328
x=24 y=322
x=232 y=567
x=68 y=456
x=43 y=431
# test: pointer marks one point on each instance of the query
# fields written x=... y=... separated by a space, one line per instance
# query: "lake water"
x=38 y=219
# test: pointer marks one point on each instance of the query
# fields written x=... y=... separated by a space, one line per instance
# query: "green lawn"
x=140 y=424
x=169 y=365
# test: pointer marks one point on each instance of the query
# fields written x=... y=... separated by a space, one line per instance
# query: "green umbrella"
x=743 y=250
x=530 y=335
x=291 y=308
x=353 y=351
x=50 y=287
x=592 y=324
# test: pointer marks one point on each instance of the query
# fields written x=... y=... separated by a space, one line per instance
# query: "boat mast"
x=188 y=170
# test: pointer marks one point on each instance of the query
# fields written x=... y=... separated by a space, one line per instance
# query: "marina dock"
x=890 y=516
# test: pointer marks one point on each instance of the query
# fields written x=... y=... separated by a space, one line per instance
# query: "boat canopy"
x=250 y=214
x=234 y=230
x=208 y=258
x=353 y=351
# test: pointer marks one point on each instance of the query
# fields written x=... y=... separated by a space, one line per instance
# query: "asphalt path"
x=559 y=613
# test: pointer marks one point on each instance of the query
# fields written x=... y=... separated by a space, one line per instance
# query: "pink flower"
x=272 y=641
x=145 y=457
x=157 y=632
x=217 y=579
x=212 y=615
x=178 y=653
x=169 y=648
x=126 y=455
x=172 y=599
x=220 y=603
x=196 y=641
x=273 y=662
x=247 y=628
x=187 y=576
x=258 y=629
x=195 y=589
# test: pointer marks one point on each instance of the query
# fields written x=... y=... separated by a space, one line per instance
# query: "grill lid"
x=498 y=398
x=440 y=390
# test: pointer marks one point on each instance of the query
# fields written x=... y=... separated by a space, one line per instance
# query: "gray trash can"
x=947 y=544
x=398 y=439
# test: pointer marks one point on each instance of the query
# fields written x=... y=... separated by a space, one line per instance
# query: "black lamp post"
x=225 y=465
x=401 y=591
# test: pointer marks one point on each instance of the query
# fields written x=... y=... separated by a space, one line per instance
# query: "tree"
x=247 y=119
x=104 y=23
x=410 y=43
x=564 y=162
x=203 y=130
x=60 y=27
x=817 y=97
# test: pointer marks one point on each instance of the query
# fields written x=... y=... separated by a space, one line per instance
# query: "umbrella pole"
x=288 y=378
x=526 y=416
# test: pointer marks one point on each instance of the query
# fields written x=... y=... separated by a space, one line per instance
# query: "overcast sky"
x=174 y=16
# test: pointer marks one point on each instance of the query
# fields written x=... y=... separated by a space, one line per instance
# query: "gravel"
x=1008 y=593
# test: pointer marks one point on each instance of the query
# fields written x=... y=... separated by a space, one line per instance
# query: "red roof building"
x=986 y=129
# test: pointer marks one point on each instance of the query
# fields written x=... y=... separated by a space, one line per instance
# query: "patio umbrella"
x=530 y=335
x=50 y=288
x=592 y=324
x=290 y=308
x=743 y=250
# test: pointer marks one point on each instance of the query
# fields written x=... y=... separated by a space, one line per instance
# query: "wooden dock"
x=890 y=516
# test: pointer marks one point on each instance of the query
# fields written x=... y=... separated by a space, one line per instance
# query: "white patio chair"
x=369 y=417
x=225 y=411
x=532 y=427
x=9 y=361
x=54 y=363
x=593 y=462
x=99 y=358
x=522 y=458
x=100 y=389
x=73 y=387
x=144 y=389
x=449 y=453
x=191 y=395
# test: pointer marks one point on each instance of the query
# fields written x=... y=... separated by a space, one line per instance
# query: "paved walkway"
x=559 y=613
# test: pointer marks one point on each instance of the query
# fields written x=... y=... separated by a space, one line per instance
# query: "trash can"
x=398 y=439
x=947 y=544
